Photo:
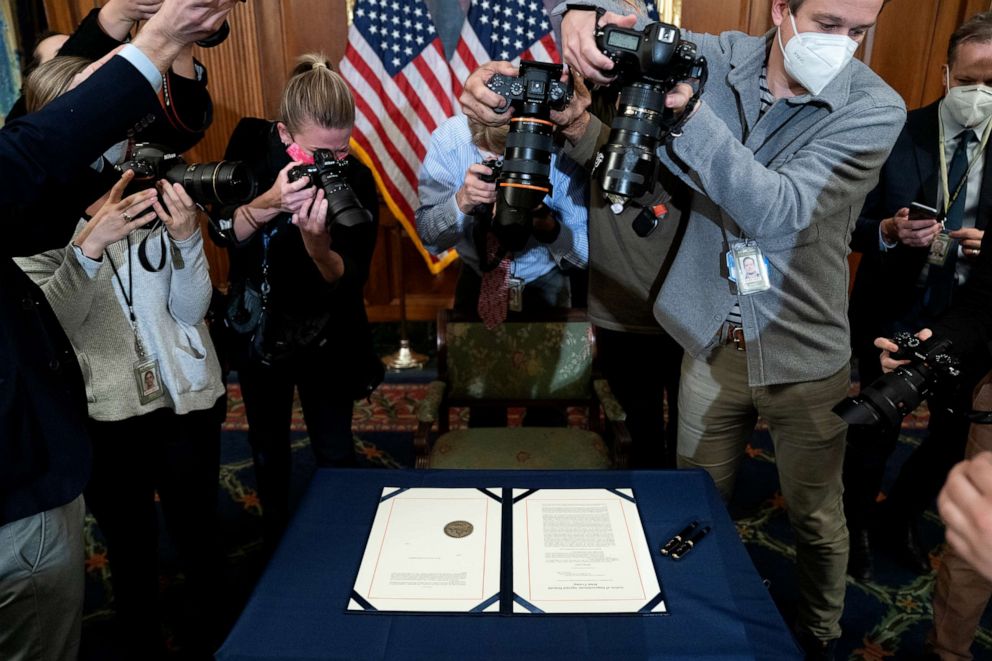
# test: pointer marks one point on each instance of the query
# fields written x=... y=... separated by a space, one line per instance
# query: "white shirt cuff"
x=140 y=61
x=884 y=245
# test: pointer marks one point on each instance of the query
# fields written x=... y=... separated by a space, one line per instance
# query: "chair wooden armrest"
x=428 y=411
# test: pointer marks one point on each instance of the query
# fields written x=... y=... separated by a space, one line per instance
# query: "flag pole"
x=404 y=358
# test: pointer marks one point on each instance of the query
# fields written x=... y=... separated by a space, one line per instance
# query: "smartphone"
x=919 y=211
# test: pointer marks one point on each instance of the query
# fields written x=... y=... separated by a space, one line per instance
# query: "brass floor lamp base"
x=404 y=359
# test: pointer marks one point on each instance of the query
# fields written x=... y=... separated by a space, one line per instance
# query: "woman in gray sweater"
x=153 y=385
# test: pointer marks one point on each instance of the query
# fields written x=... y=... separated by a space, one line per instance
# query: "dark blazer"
x=968 y=322
x=178 y=122
x=885 y=286
x=44 y=451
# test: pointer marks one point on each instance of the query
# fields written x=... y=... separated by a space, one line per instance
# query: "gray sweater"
x=170 y=306
x=795 y=185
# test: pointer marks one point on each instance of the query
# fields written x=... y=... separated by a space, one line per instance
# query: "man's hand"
x=118 y=16
x=475 y=191
x=965 y=505
x=912 y=233
x=479 y=102
x=177 y=23
x=889 y=347
x=574 y=119
x=578 y=29
x=971 y=241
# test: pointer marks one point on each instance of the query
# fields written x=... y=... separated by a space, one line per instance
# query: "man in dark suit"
x=44 y=452
x=911 y=268
x=963 y=586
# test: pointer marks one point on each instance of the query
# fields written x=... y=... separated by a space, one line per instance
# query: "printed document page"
x=581 y=551
x=432 y=550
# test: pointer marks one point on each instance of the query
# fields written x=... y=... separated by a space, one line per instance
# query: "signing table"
x=718 y=606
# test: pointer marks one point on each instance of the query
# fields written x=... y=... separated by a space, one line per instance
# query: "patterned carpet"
x=884 y=619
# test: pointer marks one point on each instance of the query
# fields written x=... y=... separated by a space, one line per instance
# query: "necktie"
x=494 y=294
x=940 y=279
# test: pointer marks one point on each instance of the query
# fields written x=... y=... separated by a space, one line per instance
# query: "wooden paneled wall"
x=248 y=71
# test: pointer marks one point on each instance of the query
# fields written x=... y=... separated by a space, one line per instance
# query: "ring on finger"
x=127 y=217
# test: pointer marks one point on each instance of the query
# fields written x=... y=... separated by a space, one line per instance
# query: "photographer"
x=288 y=246
x=126 y=323
x=961 y=592
x=640 y=361
x=453 y=191
x=780 y=159
x=179 y=121
x=905 y=281
x=186 y=110
x=44 y=451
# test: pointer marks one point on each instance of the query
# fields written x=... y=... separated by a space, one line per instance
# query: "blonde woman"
x=291 y=256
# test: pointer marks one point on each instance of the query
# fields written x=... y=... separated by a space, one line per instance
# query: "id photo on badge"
x=749 y=264
x=149 y=380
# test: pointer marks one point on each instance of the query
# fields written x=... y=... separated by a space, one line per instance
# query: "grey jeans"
x=717 y=413
x=41 y=585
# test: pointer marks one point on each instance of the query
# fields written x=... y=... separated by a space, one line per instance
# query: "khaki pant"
x=717 y=413
x=960 y=593
x=41 y=585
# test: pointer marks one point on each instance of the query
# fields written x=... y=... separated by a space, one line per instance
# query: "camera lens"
x=221 y=182
x=629 y=160
x=342 y=205
x=525 y=178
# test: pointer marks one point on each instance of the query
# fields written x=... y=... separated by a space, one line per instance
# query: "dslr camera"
x=219 y=182
x=932 y=373
x=524 y=179
x=330 y=174
x=648 y=64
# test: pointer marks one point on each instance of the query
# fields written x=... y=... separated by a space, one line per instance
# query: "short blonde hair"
x=316 y=94
x=51 y=80
x=490 y=138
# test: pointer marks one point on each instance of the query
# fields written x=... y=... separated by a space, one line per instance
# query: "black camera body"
x=537 y=85
x=494 y=164
x=656 y=54
x=648 y=64
x=932 y=373
x=525 y=177
x=219 y=182
x=331 y=175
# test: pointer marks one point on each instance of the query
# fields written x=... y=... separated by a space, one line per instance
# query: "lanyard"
x=949 y=199
x=129 y=294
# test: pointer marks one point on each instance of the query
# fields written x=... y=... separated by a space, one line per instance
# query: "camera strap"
x=675 y=130
x=147 y=371
x=143 y=248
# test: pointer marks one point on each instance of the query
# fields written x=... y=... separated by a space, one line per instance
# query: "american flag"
x=401 y=81
x=503 y=30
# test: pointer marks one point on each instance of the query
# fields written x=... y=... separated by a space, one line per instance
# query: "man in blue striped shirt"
x=450 y=189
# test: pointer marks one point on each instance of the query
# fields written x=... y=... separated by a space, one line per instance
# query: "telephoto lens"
x=220 y=182
x=525 y=178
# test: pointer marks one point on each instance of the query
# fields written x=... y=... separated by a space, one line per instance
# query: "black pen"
x=690 y=544
x=676 y=541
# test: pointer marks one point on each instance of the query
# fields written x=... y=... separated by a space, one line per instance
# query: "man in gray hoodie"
x=781 y=149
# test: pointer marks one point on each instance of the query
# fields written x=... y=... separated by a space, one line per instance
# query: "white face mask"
x=813 y=59
x=969 y=105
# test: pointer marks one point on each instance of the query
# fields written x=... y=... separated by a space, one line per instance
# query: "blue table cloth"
x=719 y=607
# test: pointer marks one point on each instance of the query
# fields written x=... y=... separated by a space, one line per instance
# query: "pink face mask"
x=297 y=154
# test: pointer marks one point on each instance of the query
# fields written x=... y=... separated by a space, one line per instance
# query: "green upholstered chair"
x=547 y=360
